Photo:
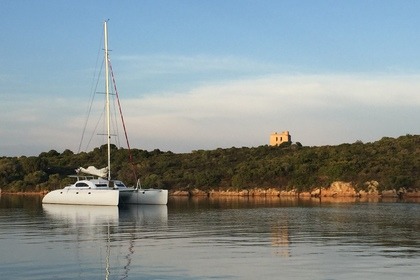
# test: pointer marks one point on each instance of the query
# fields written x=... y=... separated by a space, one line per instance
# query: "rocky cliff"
x=336 y=189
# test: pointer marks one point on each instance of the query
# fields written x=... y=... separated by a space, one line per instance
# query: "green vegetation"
x=394 y=163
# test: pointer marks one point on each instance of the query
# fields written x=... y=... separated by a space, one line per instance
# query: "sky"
x=195 y=75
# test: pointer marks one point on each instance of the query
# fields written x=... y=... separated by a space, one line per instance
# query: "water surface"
x=202 y=238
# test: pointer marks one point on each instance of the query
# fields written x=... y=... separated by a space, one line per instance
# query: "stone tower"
x=278 y=138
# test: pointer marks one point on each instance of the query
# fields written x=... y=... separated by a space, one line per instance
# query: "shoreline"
x=336 y=189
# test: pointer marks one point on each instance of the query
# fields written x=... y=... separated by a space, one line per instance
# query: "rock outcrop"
x=336 y=189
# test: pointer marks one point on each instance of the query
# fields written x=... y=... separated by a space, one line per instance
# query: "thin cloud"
x=193 y=62
x=162 y=64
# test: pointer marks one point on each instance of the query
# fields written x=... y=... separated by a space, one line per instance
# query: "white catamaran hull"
x=83 y=197
x=148 y=196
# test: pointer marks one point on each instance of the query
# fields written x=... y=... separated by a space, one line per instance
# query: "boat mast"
x=108 y=125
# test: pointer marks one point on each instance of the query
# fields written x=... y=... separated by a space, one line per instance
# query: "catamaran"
x=98 y=188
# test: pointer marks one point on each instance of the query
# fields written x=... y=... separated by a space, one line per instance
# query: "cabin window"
x=81 y=185
x=101 y=185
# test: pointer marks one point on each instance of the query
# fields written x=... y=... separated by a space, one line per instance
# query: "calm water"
x=210 y=239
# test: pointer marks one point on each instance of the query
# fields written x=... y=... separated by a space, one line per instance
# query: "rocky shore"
x=336 y=189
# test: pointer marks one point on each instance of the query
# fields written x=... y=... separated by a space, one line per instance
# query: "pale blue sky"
x=209 y=74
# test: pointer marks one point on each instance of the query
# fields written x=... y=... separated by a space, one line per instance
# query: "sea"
x=211 y=238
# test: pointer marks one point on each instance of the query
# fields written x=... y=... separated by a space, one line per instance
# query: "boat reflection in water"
x=114 y=231
x=91 y=217
x=82 y=214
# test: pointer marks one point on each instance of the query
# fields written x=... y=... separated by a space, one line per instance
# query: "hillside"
x=393 y=162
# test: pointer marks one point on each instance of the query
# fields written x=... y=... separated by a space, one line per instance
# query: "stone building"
x=279 y=138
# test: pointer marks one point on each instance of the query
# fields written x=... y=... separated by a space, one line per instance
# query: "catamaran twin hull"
x=106 y=197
